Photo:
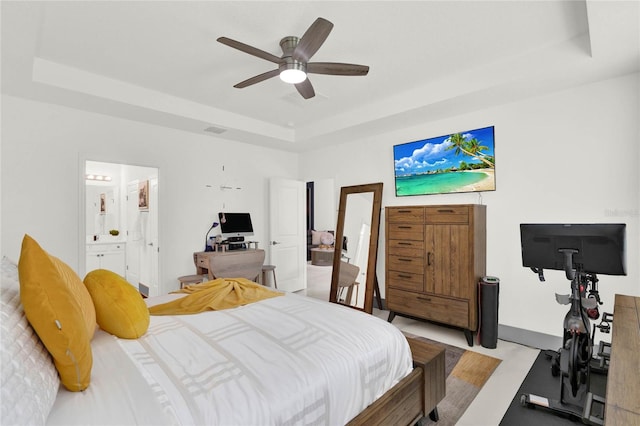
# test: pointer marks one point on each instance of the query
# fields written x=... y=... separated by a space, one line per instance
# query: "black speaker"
x=488 y=295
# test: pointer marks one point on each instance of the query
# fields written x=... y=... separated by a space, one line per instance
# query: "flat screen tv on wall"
x=458 y=162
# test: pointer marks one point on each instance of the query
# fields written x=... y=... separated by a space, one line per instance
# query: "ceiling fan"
x=294 y=65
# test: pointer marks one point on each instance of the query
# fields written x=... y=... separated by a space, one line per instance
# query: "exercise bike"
x=589 y=246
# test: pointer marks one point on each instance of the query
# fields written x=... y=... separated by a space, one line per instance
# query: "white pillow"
x=315 y=237
x=30 y=382
x=326 y=238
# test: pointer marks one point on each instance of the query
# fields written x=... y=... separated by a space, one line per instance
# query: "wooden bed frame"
x=413 y=397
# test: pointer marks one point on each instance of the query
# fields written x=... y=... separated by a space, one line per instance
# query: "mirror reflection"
x=355 y=248
x=103 y=208
x=353 y=278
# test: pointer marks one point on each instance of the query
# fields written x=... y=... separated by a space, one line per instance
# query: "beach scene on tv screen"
x=458 y=162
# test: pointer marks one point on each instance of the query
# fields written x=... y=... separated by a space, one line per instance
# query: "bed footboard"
x=413 y=397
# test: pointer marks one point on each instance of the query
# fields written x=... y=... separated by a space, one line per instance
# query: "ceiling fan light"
x=293 y=76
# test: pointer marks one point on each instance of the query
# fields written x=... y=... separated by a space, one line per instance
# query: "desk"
x=230 y=264
x=622 y=406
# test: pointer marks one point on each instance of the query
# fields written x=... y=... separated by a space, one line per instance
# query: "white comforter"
x=282 y=361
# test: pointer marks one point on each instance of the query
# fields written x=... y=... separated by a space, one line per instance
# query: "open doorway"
x=121 y=216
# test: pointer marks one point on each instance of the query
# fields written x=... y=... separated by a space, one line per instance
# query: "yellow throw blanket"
x=221 y=293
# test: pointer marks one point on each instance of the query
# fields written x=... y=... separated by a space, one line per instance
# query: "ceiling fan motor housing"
x=288 y=45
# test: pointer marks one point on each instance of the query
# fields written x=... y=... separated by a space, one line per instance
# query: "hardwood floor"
x=493 y=400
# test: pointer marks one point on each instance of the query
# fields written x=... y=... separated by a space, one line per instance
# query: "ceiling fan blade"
x=257 y=79
x=306 y=89
x=336 y=68
x=250 y=50
x=312 y=39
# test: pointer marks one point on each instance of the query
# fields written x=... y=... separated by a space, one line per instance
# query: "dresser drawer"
x=412 y=265
x=406 y=231
x=447 y=214
x=406 y=248
x=405 y=214
x=104 y=248
x=405 y=280
x=440 y=309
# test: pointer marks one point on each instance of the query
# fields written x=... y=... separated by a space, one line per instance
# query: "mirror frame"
x=372 y=280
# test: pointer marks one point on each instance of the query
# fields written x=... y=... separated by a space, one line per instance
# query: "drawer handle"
x=402 y=243
x=404 y=211
x=428 y=299
x=429 y=258
x=404 y=276
x=445 y=211
x=405 y=260
x=405 y=227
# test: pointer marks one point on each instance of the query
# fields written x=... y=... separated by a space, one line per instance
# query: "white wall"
x=43 y=152
x=567 y=157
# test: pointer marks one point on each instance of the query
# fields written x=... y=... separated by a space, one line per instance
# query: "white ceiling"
x=159 y=62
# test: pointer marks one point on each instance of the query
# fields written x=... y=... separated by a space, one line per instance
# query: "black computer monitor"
x=595 y=248
x=235 y=226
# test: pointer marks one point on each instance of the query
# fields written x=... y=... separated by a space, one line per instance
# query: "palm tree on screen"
x=470 y=147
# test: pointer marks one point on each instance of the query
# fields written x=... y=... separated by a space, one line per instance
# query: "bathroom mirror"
x=353 y=278
x=102 y=208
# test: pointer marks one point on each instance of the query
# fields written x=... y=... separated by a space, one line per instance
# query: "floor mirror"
x=354 y=280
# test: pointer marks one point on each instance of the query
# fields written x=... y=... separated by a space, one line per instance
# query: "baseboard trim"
x=516 y=335
x=529 y=338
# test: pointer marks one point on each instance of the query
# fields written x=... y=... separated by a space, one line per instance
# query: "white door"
x=152 y=252
x=92 y=262
x=113 y=261
x=142 y=238
x=287 y=230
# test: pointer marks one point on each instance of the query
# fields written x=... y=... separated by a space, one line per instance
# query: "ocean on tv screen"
x=439 y=183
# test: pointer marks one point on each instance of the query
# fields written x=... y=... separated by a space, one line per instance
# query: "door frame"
x=310 y=214
x=82 y=217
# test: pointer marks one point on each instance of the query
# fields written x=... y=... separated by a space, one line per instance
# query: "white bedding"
x=282 y=361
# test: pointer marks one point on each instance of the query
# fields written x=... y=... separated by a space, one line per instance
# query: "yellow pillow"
x=120 y=309
x=80 y=293
x=53 y=311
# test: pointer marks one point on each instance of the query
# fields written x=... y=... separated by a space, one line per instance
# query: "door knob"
x=150 y=244
x=273 y=243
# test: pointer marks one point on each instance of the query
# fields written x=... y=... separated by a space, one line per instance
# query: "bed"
x=285 y=360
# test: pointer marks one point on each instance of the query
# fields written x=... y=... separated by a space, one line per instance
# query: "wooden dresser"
x=623 y=382
x=435 y=257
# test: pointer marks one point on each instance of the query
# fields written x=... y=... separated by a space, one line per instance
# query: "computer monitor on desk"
x=235 y=226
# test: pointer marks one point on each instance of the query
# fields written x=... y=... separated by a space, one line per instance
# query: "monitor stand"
x=236 y=243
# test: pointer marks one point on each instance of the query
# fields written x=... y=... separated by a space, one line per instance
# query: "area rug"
x=466 y=373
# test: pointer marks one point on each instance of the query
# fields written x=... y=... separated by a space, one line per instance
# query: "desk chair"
x=247 y=264
x=347 y=279
x=265 y=270
x=191 y=279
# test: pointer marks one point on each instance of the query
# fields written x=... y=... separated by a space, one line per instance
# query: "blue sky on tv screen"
x=428 y=155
